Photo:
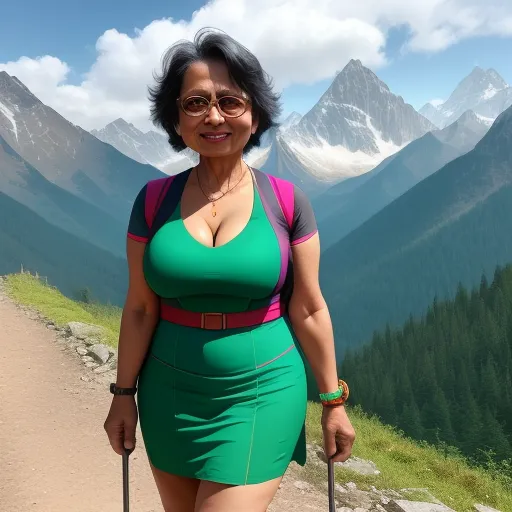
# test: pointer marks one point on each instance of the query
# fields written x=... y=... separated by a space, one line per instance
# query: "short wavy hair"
x=244 y=69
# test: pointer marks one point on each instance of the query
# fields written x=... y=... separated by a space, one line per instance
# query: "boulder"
x=416 y=506
x=484 y=508
x=83 y=331
x=100 y=352
x=81 y=350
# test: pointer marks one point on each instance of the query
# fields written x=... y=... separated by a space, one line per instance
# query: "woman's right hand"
x=121 y=423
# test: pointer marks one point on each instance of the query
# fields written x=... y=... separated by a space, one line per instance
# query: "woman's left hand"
x=339 y=434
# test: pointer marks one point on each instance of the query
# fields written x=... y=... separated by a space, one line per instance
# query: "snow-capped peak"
x=483 y=91
x=290 y=121
x=356 y=123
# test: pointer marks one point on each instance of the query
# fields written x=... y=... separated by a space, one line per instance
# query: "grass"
x=406 y=463
x=29 y=290
x=403 y=462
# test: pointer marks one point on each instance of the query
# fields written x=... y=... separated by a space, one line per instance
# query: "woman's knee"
x=178 y=493
x=214 y=497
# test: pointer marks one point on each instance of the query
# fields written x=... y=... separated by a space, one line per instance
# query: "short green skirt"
x=225 y=406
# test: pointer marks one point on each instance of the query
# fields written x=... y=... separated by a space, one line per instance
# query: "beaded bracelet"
x=338 y=397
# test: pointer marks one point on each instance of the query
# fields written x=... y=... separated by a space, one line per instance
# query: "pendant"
x=214 y=213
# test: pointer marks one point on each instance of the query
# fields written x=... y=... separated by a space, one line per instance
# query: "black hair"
x=244 y=69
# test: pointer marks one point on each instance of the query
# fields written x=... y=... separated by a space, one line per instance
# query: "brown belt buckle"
x=215 y=321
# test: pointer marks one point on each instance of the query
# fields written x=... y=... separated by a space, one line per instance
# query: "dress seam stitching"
x=254 y=417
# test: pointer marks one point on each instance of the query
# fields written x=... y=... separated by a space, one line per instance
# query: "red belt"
x=217 y=321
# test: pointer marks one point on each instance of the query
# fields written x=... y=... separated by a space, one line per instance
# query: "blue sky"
x=63 y=29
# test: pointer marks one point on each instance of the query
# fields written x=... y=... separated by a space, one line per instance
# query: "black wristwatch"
x=121 y=391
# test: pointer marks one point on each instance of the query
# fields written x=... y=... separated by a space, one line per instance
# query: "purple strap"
x=155 y=192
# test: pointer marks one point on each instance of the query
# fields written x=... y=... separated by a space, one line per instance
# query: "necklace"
x=214 y=200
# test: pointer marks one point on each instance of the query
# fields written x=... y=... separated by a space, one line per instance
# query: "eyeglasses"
x=229 y=106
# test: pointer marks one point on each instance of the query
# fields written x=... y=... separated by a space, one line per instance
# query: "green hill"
x=69 y=262
x=447 y=376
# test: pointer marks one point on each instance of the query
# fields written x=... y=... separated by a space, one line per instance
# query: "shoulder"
x=278 y=180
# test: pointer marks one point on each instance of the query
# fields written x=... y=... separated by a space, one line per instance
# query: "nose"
x=214 y=117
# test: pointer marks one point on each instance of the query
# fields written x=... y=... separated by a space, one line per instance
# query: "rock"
x=356 y=464
x=81 y=350
x=359 y=509
x=103 y=368
x=100 y=352
x=423 y=490
x=82 y=331
x=416 y=506
x=351 y=486
x=361 y=466
x=91 y=341
x=393 y=493
x=339 y=488
x=484 y=508
x=91 y=364
x=87 y=359
x=303 y=486
x=344 y=509
x=355 y=499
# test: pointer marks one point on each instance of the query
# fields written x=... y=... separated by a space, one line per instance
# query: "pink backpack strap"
x=284 y=191
x=155 y=192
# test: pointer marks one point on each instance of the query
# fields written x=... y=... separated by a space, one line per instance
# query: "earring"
x=177 y=128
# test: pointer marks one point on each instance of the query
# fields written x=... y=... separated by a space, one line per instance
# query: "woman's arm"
x=310 y=317
x=312 y=325
x=139 y=318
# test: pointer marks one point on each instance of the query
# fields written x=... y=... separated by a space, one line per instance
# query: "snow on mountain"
x=293 y=119
x=150 y=147
x=482 y=91
x=356 y=124
x=9 y=115
x=66 y=155
x=153 y=147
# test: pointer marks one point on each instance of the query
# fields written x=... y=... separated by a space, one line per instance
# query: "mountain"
x=329 y=201
x=282 y=162
x=153 y=148
x=449 y=228
x=25 y=184
x=147 y=148
x=409 y=166
x=484 y=92
x=465 y=132
x=69 y=262
x=67 y=155
x=293 y=119
x=355 y=125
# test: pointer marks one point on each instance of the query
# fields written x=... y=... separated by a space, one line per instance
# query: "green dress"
x=226 y=406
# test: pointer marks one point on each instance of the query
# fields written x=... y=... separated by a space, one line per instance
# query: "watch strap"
x=115 y=390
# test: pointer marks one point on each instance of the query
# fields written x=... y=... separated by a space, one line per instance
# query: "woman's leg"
x=214 y=497
x=178 y=493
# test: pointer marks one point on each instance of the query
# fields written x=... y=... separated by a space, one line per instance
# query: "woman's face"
x=211 y=80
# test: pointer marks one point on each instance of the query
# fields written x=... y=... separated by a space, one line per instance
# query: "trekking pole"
x=330 y=477
x=126 y=495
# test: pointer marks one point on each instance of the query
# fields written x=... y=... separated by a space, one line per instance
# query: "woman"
x=222 y=409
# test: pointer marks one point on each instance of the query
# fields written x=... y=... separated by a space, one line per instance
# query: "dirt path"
x=54 y=453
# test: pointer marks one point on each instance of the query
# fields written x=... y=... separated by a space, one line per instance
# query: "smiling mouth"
x=215 y=137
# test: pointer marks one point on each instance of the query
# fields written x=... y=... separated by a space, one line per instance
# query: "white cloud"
x=297 y=41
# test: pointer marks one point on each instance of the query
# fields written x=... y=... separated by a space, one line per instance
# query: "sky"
x=93 y=62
